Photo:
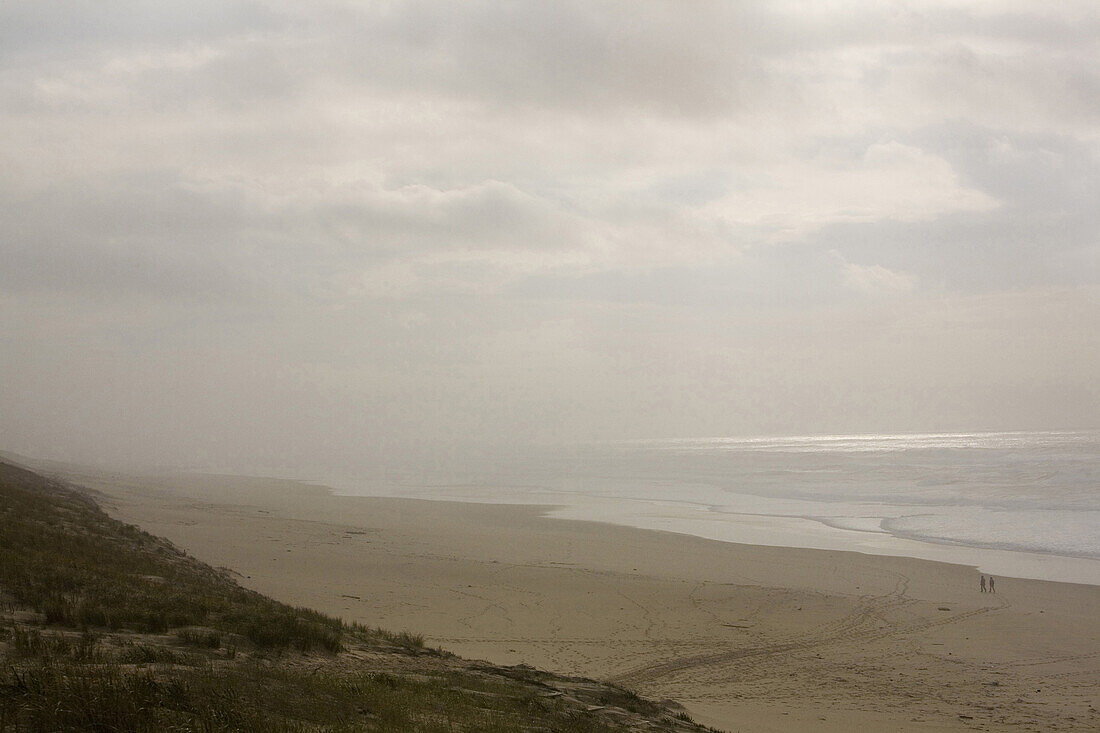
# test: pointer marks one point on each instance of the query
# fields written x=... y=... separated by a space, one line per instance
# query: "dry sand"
x=747 y=638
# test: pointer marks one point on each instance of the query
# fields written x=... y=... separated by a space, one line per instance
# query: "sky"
x=279 y=237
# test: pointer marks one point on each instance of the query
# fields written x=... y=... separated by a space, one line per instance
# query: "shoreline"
x=744 y=636
x=1002 y=562
x=781 y=530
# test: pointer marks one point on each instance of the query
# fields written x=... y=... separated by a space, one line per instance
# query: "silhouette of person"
x=992 y=588
x=983 y=584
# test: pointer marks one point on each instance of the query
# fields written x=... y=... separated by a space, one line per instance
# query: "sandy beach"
x=747 y=638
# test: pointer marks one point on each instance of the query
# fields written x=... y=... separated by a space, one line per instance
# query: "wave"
x=873 y=442
x=1027 y=492
x=1065 y=533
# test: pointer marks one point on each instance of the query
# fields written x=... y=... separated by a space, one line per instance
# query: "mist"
x=261 y=237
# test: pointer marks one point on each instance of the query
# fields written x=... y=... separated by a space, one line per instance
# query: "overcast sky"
x=270 y=237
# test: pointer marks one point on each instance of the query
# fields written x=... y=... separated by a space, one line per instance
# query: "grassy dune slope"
x=104 y=627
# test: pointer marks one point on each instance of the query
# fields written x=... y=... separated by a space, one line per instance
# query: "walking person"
x=983 y=584
x=992 y=589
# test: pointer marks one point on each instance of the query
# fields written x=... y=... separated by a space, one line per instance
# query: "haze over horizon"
x=263 y=236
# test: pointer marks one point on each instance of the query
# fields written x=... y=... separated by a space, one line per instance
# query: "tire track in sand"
x=851 y=627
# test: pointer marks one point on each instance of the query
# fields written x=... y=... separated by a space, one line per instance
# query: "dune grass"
x=55 y=693
x=61 y=556
x=104 y=627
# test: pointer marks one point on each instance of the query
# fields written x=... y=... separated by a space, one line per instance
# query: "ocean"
x=1023 y=504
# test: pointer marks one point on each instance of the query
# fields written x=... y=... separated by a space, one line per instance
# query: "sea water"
x=1025 y=504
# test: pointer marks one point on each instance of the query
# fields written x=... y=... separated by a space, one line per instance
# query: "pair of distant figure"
x=992 y=585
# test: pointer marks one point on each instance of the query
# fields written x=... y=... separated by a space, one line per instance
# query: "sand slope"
x=746 y=637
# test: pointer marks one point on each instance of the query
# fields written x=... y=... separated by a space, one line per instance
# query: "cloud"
x=876 y=279
x=421 y=219
x=888 y=181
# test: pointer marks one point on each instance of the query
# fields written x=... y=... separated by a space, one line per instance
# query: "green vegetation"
x=61 y=556
x=59 y=694
x=104 y=627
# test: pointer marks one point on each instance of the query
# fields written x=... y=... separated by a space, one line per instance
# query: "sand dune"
x=746 y=637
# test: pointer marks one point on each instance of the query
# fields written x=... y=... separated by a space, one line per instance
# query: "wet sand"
x=746 y=637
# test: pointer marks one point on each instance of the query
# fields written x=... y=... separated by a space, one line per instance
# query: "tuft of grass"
x=402 y=639
x=620 y=697
x=205 y=638
x=145 y=654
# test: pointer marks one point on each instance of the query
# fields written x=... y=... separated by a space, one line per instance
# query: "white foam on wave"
x=1069 y=533
x=855 y=524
